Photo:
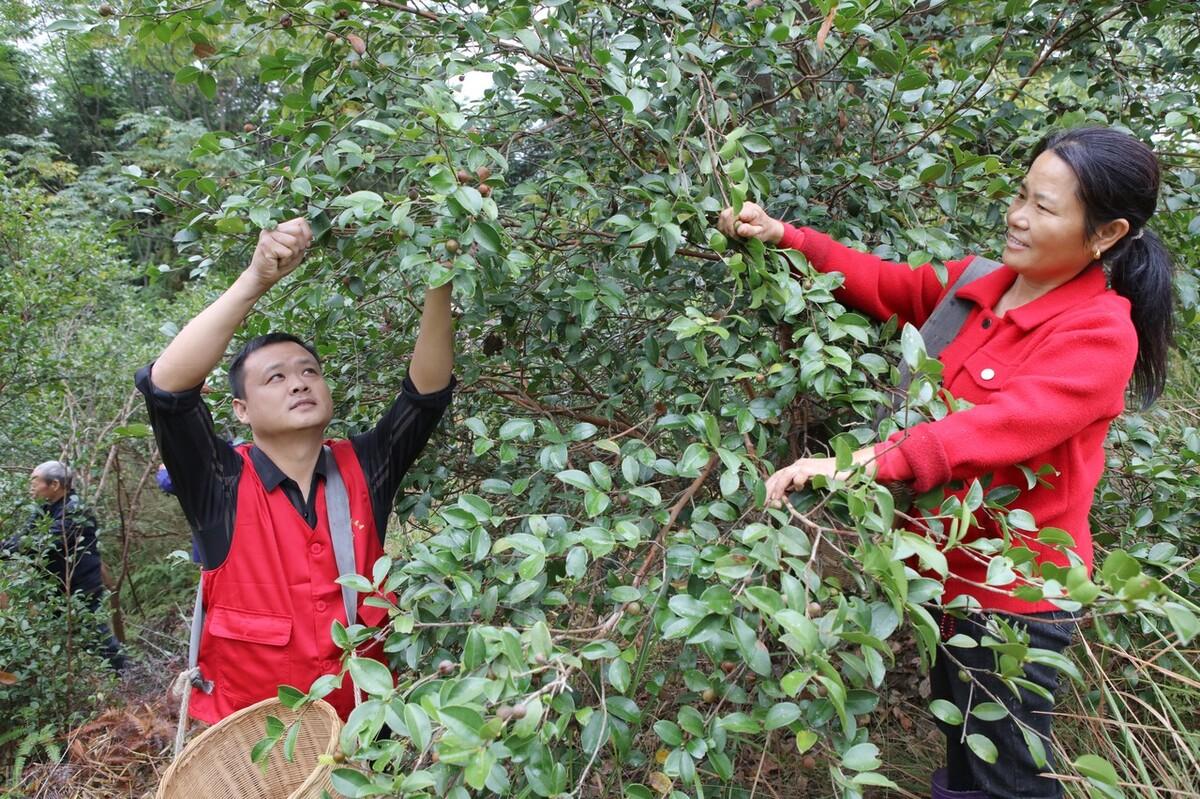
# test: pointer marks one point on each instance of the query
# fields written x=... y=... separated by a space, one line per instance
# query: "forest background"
x=585 y=538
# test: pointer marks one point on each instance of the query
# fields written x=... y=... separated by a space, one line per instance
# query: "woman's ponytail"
x=1140 y=271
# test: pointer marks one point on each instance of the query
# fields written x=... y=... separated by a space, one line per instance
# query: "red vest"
x=269 y=607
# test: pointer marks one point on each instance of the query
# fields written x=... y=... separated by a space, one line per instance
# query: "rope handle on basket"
x=182 y=687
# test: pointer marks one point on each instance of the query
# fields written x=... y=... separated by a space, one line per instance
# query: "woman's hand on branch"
x=752 y=222
x=796 y=476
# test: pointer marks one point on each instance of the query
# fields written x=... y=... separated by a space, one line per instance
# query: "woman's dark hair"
x=237 y=367
x=1118 y=178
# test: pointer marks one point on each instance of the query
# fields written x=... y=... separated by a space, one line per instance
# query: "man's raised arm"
x=433 y=354
x=200 y=346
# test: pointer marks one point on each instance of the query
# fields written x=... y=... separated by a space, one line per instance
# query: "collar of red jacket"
x=987 y=291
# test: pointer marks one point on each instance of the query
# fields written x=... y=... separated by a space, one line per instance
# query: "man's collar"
x=987 y=291
x=272 y=476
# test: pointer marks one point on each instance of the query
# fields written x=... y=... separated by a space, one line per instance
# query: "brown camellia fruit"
x=540 y=659
x=809 y=762
x=285 y=21
x=709 y=695
x=814 y=608
x=356 y=43
x=446 y=668
x=342 y=13
x=463 y=176
x=485 y=190
x=728 y=666
x=504 y=713
x=331 y=37
x=106 y=10
x=634 y=608
x=249 y=127
x=452 y=246
x=518 y=712
x=483 y=173
x=413 y=193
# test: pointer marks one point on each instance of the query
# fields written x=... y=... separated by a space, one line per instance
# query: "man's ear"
x=239 y=410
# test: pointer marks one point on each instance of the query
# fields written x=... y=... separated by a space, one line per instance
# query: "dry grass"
x=120 y=753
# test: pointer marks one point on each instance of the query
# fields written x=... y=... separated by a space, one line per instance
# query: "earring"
x=1098 y=253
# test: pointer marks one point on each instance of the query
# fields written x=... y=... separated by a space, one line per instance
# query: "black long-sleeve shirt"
x=205 y=469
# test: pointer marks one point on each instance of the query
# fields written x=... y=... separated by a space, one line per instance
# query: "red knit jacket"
x=1045 y=381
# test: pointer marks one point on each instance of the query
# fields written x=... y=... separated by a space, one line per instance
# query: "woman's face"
x=1046 y=242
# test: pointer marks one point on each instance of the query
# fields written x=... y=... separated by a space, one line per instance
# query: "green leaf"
x=419 y=728
x=946 y=711
x=291 y=698
x=262 y=749
x=639 y=98
x=488 y=236
x=983 y=747
x=522 y=429
x=781 y=715
x=275 y=727
x=618 y=675
x=1183 y=621
x=989 y=711
x=207 y=85
x=862 y=757
x=135 y=430
x=355 y=582
x=668 y=732
x=931 y=557
x=1054 y=537
x=576 y=478
x=289 y=743
x=375 y=125
x=72 y=25
x=349 y=782
x=478 y=769
x=371 y=676
x=463 y=722
x=472 y=202
x=1096 y=768
x=912 y=346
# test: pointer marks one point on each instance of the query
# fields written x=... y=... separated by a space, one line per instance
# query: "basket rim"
x=197 y=745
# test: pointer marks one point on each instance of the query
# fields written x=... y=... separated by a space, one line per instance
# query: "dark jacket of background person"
x=67 y=531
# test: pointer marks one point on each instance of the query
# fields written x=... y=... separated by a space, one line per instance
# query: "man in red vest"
x=258 y=511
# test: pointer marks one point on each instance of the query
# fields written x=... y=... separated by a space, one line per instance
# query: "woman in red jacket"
x=1081 y=304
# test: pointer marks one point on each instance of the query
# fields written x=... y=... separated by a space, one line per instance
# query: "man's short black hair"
x=237 y=382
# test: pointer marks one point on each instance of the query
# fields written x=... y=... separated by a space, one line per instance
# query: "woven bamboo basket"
x=217 y=765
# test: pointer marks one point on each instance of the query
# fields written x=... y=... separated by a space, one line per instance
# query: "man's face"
x=285 y=391
x=44 y=490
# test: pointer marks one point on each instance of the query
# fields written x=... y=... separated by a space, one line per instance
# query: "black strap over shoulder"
x=942 y=327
